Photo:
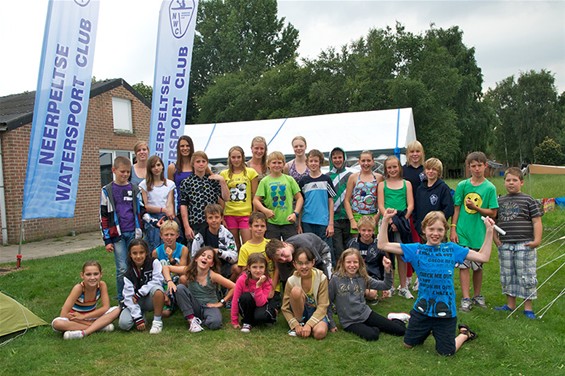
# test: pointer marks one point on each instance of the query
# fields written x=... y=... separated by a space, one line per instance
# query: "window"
x=121 y=109
x=106 y=159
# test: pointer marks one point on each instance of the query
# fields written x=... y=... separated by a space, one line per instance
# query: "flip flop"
x=466 y=330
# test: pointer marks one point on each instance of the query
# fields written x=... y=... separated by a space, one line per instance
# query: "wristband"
x=169 y=280
x=295 y=213
x=453 y=225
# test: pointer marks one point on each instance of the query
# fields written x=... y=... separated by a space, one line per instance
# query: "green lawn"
x=514 y=346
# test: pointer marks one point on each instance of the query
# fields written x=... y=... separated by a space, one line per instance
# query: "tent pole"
x=19 y=255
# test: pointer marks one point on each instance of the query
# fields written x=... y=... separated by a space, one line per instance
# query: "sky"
x=509 y=37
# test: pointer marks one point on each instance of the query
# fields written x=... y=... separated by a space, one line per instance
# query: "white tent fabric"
x=381 y=131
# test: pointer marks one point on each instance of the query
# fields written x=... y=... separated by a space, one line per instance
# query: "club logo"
x=180 y=15
x=82 y=3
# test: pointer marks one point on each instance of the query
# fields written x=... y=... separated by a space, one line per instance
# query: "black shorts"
x=443 y=329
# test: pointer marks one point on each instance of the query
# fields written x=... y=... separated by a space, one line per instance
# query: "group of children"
x=267 y=275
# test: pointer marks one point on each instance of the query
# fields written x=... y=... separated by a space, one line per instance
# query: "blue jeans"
x=121 y=259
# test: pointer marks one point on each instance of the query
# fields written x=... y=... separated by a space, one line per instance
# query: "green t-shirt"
x=277 y=194
x=470 y=227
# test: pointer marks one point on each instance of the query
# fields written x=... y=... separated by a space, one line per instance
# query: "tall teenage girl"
x=258 y=160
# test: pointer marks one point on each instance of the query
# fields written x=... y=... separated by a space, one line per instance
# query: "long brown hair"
x=149 y=179
x=186 y=138
x=230 y=165
x=257 y=258
x=191 y=270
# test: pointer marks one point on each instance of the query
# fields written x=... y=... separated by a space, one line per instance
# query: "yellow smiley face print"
x=476 y=199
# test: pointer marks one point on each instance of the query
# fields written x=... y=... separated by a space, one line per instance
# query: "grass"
x=513 y=346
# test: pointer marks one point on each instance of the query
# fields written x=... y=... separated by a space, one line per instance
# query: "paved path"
x=51 y=247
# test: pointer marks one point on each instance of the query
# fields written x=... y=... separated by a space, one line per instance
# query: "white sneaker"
x=405 y=293
x=246 y=328
x=399 y=316
x=292 y=333
x=156 y=327
x=107 y=328
x=73 y=334
x=195 y=325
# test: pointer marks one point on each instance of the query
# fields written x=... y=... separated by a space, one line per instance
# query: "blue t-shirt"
x=316 y=192
x=434 y=266
x=162 y=254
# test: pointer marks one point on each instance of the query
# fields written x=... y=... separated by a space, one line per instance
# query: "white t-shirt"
x=158 y=195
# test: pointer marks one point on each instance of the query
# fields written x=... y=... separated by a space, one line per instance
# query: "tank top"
x=178 y=177
x=364 y=196
x=204 y=294
x=84 y=306
x=295 y=174
x=395 y=198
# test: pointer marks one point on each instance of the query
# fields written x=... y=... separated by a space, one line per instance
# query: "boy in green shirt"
x=474 y=197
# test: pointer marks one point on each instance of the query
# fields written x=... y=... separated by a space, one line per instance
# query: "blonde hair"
x=392 y=158
x=230 y=165
x=431 y=218
x=416 y=146
x=276 y=155
x=340 y=268
x=200 y=154
x=366 y=220
x=169 y=225
x=257 y=140
x=138 y=146
x=299 y=138
x=434 y=164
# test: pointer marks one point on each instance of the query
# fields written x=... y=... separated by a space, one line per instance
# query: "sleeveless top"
x=364 y=196
x=396 y=198
x=134 y=178
x=178 y=177
x=85 y=306
x=295 y=174
x=162 y=254
x=204 y=294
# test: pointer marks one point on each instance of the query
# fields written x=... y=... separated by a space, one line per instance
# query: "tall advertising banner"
x=175 y=38
x=61 y=107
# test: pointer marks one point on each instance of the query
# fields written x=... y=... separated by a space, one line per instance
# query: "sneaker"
x=466 y=304
x=73 y=334
x=195 y=325
x=408 y=281
x=246 y=328
x=156 y=327
x=530 y=314
x=402 y=316
x=292 y=333
x=503 y=308
x=405 y=293
x=480 y=301
x=373 y=302
x=107 y=328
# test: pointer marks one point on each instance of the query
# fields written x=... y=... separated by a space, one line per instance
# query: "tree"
x=146 y=91
x=527 y=111
x=549 y=152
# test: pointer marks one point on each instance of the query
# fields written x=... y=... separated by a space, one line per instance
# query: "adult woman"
x=297 y=167
x=258 y=159
x=139 y=169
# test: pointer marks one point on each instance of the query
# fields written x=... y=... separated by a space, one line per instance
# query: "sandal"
x=464 y=329
x=503 y=308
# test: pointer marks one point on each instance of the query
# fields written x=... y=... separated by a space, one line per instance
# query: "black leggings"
x=253 y=315
x=375 y=323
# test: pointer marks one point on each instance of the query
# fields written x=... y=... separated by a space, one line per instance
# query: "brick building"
x=118 y=117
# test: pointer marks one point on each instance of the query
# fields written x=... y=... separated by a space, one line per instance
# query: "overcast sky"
x=509 y=37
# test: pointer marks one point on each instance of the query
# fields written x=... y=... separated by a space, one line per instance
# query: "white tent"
x=383 y=132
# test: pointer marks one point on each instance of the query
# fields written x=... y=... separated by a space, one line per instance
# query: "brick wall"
x=99 y=135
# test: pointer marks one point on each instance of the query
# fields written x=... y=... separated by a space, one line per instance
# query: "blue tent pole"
x=396 y=148
x=277 y=132
x=209 y=138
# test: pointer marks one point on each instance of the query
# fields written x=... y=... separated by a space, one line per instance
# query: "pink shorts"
x=236 y=222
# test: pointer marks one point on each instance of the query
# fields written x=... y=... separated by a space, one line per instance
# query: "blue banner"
x=60 y=111
x=177 y=21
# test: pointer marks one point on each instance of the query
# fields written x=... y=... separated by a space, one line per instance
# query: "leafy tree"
x=549 y=152
x=146 y=91
x=527 y=111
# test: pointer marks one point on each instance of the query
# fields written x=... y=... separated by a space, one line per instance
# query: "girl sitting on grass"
x=306 y=300
x=80 y=316
x=435 y=309
x=347 y=292
x=143 y=289
x=198 y=300
x=250 y=298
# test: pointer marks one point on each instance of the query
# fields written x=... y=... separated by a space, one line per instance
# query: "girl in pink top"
x=250 y=298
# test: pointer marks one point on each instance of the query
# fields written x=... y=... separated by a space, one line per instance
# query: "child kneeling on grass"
x=80 y=316
x=197 y=299
x=347 y=292
x=143 y=289
x=435 y=308
x=251 y=295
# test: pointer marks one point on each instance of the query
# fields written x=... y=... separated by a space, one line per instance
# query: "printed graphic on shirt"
x=239 y=192
x=508 y=211
x=476 y=199
x=278 y=194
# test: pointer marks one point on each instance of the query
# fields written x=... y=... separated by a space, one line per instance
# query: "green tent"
x=15 y=317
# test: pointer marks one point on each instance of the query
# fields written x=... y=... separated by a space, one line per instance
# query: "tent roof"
x=380 y=131
x=545 y=169
x=15 y=317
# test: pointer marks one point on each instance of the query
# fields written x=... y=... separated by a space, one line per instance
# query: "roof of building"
x=17 y=109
